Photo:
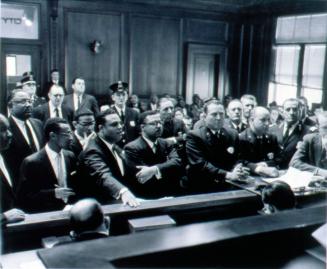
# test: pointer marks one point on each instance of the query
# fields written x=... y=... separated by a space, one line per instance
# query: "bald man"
x=234 y=112
x=259 y=150
x=87 y=220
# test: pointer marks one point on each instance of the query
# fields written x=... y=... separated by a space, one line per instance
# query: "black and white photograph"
x=163 y=134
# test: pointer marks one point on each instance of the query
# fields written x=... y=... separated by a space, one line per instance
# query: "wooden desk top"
x=109 y=249
x=61 y=218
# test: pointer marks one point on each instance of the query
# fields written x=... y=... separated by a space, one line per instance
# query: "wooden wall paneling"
x=154 y=54
x=98 y=70
x=207 y=31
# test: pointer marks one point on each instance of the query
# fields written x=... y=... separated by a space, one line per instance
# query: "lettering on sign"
x=11 y=20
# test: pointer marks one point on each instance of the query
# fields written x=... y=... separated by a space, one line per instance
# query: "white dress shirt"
x=5 y=171
x=120 y=110
x=84 y=140
x=153 y=148
x=53 y=157
x=52 y=109
x=75 y=99
x=22 y=127
x=290 y=130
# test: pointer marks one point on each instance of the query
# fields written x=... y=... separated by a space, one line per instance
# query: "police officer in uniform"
x=259 y=150
x=129 y=116
x=29 y=86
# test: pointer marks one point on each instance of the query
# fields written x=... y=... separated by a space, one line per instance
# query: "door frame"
x=34 y=51
x=211 y=49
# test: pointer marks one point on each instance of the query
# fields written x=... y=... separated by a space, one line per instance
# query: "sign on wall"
x=19 y=21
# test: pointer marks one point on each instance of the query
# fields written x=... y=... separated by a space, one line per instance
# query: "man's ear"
x=52 y=135
x=74 y=124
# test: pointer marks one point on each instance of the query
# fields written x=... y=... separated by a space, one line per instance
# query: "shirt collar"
x=51 y=153
x=107 y=143
x=52 y=107
x=119 y=110
x=149 y=142
x=18 y=121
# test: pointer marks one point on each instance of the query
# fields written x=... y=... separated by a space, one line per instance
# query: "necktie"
x=122 y=116
x=286 y=134
x=30 y=138
x=118 y=153
x=238 y=129
x=155 y=148
x=57 y=112
x=61 y=174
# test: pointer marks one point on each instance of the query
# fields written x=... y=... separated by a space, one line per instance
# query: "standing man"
x=101 y=163
x=29 y=86
x=290 y=132
x=8 y=197
x=54 y=80
x=212 y=152
x=259 y=150
x=153 y=164
x=249 y=102
x=47 y=176
x=234 y=112
x=128 y=116
x=79 y=99
x=27 y=132
x=84 y=124
x=54 y=107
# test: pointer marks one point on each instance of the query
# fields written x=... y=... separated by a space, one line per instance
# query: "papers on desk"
x=294 y=177
x=321 y=235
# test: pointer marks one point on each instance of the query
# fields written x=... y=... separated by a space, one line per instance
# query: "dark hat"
x=119 y=86
x=27 y=77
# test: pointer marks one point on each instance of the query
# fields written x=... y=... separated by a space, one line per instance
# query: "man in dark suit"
x=101 y=163
x=259 y=149
x=128 y=116
x=212 y=152
x=249 y=102
x=311 y=153
x=84 y=124
x=79 y=99
x=27 y=132
x=153 y=164
x=290 y=132
x=8 y=197
x=234 y=112
x=54 y=80
x=47 y=176
x=54 y=107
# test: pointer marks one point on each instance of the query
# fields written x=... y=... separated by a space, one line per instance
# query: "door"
x=206 y=65
x=17 y=59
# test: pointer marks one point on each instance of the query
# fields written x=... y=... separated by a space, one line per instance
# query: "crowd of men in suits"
x=56 y=152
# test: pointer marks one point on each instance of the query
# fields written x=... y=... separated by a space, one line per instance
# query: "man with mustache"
x=101 y=163
x=153 y=163
x=27 y=132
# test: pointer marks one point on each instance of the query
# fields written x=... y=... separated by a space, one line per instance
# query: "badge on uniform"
x=230 y=150
x=270 y=155
x=132 y=123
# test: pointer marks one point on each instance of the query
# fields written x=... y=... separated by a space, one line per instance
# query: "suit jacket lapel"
x=47 y=112
x=6 y=183
x=17 y=134
x=47 y=164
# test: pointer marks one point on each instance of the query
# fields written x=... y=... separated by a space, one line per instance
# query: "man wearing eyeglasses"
x=152 y=162
x=29 y=85
x=84 y=124
x=101 y=163
x=54 y=107
x=27 y=132
x=47 y=176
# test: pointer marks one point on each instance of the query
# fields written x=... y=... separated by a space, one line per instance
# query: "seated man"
x=101 y=163
x=212 y=152
x=311 y=153
x=47 y=176
x=87 y=221
x=258 y=149
x=277 y=196
x=153 y=163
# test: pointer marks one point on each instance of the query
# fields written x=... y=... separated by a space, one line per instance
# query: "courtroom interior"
x=163 y=134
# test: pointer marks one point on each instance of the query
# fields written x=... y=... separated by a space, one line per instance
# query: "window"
x=299 y=55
